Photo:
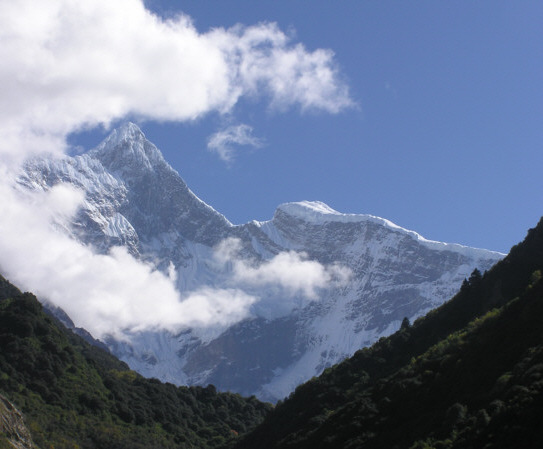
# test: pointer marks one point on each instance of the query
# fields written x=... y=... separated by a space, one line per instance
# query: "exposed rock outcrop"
x=12 y=427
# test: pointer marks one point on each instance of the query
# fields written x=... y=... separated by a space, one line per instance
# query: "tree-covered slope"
x=74 y=395
x=469 y=374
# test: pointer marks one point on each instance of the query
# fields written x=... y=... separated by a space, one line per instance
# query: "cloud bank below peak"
x=75 y=64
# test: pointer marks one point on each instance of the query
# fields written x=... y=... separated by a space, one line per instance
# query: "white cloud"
x=112 y=293
x=74 y=64
x=68 y=64
x=290 y=271
x=294 y=272
x=223 y=142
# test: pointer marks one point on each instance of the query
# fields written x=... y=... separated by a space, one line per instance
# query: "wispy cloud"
x=74 y=64
x=225 y=141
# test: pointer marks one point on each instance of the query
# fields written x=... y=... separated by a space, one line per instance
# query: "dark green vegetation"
x=74 y=395
x=468 y=375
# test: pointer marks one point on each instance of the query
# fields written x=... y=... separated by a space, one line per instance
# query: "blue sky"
x=445 y=137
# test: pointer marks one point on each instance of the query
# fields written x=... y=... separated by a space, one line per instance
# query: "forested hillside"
x=469 y=374
x=74 y=395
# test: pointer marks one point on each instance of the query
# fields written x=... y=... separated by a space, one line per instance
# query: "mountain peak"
x=129 y=131
x=126 y=149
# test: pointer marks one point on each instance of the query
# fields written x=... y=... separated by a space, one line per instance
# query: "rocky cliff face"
x=135 y=199
x=13 y=430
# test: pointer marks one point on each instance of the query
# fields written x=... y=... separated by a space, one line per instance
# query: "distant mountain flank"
x=135 y=199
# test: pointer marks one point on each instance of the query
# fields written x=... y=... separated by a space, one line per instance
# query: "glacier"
x=135 y=199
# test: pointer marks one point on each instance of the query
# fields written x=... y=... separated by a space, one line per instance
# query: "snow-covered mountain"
x=135 y=199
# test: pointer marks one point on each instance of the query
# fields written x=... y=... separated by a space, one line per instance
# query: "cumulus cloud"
x=290 y=271
x=223 y=142
x=69 y=65
x=107 y=294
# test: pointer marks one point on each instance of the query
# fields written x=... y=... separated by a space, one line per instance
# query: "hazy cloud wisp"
x=290 y=271
x=223 y=142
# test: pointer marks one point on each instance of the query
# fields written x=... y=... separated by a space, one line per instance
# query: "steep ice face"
x=99 y=222
x=159 y=201
x=135 y=199
x=130 y=186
